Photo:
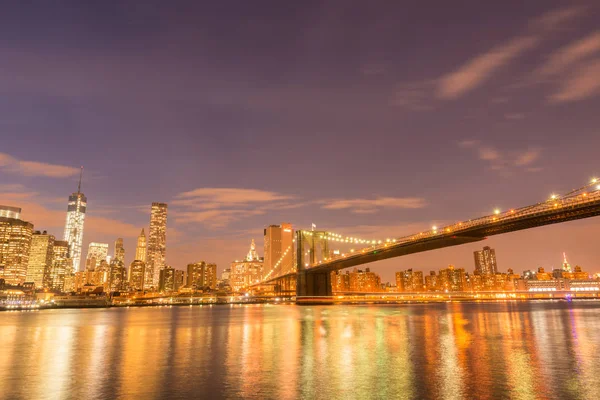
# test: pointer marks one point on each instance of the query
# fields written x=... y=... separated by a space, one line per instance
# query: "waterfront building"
x=15 y=243
x=97 y=252
x=246 y=272
x=364 y=281
x=340 y=281
x=201 y=275
x=117 y=277
x=140 y=249
x=62 y=268
x=485 y=261
x=74 y=225
x=166 y=281
x=10 y=212
x=137 y=273
x=119 y=251
x=431 y=282
x=157 y=244
x=40 y=258
x=278 y=245
x=409 y=281
x=179 y=280
x=542 y=275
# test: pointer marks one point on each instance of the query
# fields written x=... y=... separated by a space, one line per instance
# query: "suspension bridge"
x=314 y=257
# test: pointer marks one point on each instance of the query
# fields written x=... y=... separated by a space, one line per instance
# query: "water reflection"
x=446 y=351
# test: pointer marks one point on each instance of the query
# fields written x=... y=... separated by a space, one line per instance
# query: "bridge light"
x=434 y=228
x=496 y=211
x=598 y=187
x=553 y=197
x=594 y=180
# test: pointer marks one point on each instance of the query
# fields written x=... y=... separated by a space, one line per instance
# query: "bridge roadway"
x=315 y=280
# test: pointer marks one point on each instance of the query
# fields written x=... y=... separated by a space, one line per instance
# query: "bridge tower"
x=310 y=247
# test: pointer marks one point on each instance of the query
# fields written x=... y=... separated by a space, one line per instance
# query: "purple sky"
x=376 y=118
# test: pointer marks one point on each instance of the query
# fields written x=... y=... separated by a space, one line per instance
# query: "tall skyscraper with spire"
x=157 y=244
x=140 y=249
x=74 y=225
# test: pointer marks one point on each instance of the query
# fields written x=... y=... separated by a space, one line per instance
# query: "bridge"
x=313 y=260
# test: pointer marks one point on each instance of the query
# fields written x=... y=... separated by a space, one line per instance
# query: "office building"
x=74 y=225
x=201 y=275
x=485 y=261
x=117 y=277
x=166 y=280
x=137 y=274
x=40 y=258
x=140 y=249
x=244 y=273
x=119 y=251
x=278 y=245
x=364 y=281
x=10 y=212
x=15 y=242
x=97 y=252
x=179 y=279
x=157 y=244
x=59 y=277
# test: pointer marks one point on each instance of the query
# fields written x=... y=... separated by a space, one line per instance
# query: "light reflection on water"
x=442 y=351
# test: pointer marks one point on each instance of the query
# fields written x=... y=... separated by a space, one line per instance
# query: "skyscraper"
x=485 y=261
x=137 y=273
x=41 y=255
x=140 y=249
x=279 y=252
x=15 y=241
x=74 y=225
x=62 y=267
x=157 y=244
x=119 y=251
x=97 y=252
x=166 y=282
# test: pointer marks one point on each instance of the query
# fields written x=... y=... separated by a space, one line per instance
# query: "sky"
x=368 y=118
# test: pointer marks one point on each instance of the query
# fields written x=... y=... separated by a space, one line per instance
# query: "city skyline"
x=385 y=138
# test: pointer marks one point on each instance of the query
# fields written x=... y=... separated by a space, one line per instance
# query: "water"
x=439 y=351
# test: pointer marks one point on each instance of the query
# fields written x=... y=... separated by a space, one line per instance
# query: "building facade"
x=244 y=273
x=140 y=249
x=74 y=225
x=62 y=267
x=119 y=251
x=202 y=275
x=41 y=254
x=137 y=275
x=157 y=244
x=166 y=281
x=10 y=212
x=278 y=245
x=15 y=243
x=97 y=252
x=485 y=261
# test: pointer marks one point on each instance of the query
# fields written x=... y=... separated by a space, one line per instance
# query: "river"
x=521 y=350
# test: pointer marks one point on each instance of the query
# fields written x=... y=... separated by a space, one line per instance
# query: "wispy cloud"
x=567 y=56
x=12 y=164
x=232 y=195
x=583 y=83
x=368 y=206
x=481 y=68
x=504 y=162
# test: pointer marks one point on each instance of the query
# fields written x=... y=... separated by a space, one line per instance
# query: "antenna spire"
x=80 y=176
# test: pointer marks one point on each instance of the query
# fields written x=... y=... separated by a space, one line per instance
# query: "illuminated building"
x=15 y=242
x=247 y=272
x=61 y=267
x=74 y=224
x=137 y=273
x=179 y=280
x=40 y=258
x=119 y=251
x=157 y=244
x=278 y=245
x=340 y=282
x=201 y=275
x=117 y=276
x=364 y=281
x=10 y=212
x=409 y=281
x=542 y=275
x=485 y=261
x=97 y=252
x=566 y=267
x=140 y=249
x=431 y=282
x=166 y=280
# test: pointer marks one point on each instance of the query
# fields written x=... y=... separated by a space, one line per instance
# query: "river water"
x=522 y=350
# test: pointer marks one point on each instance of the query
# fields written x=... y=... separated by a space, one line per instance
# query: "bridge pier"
x=314 y=287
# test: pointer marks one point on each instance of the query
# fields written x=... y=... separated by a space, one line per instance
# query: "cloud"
x=480 y=69
x=368 y=206
x=583 y=83
x=567 y=56
x=514 y=116
x=554 y=19
x=214 y=218
x=232 y=195
x=34 y=168
x=415 y=96
x=504 y=162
